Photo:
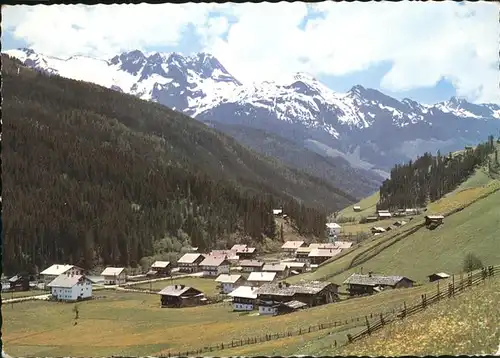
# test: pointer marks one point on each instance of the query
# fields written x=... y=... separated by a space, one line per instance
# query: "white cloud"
x=425 y=42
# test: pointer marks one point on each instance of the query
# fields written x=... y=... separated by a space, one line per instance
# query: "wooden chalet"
x=190 y=262
x=244 y=298
x=270 y=297
x=302 y=254
x=371 y=219
x=368 y=284
x=243 y=251
x=356 y=208
x=256 y=279
x=19 y=283
x=296 y=267
x=160 y=269
x=438 y=276
x=227 y=283
x=181 y=296
x=215 y=265
x=433 y=220
x=281 y=269
x=251 y=265
x=292 y=246
x=318 y=256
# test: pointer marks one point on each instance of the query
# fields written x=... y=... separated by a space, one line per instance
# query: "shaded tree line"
x=94 y=177
x=429 y=178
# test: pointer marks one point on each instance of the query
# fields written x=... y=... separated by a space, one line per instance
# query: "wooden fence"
x=345 y=324
x=453 y=288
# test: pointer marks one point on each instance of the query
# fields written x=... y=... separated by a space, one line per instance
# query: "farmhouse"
x=270 y=297
x=71 y=287
x=19 y=283
x=356 y=208
x=280 y=269
x=291 y=246
x=256 y=279
x=114 y=275
x=49 y=274
x=160 y=268
x=302 y=254
x=411 y=211
x=438 y=276
x=296 y=267
x=434 y=219
x=384 y=215
x=229 y=282
x=251 y=265
x=318 y=256
x=181 y=296
x=215 y=265
x=368 y=284
x=291 y=306
x=371 y=219
x=244 y=298
x=190 y=262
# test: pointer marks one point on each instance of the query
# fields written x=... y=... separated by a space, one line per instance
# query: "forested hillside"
x=429 y=177
x=92 y=176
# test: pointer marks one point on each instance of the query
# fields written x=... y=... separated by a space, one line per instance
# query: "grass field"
x=205 y=285
x=19 y=294
x=134 y=324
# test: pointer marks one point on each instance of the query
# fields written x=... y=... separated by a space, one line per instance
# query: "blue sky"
x=427 y=52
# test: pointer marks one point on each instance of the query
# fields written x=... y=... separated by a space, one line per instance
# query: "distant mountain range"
x=363 y=127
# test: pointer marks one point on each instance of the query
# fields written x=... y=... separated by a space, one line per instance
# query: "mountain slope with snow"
x=376 y=128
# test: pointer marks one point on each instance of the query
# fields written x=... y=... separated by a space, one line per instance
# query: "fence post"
x=349 y=338
x=404 y=310
x=382 y=319
x=453 y=283
x=368 y=325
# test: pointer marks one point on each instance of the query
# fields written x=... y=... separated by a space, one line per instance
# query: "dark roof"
x=374 y=280
x=310 y=288
x=176 y=290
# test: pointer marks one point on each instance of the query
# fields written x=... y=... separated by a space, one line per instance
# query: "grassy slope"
x=134 y=324
x=443 y=329
x=368 y=207
x=466 y=325
x=472 y=229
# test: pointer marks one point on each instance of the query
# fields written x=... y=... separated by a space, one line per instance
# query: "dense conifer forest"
x=429 y=178
x=95 y=177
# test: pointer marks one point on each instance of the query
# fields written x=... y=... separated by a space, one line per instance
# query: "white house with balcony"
x=71 y=287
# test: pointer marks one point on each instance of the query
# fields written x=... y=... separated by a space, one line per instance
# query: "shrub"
x=472 y=262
